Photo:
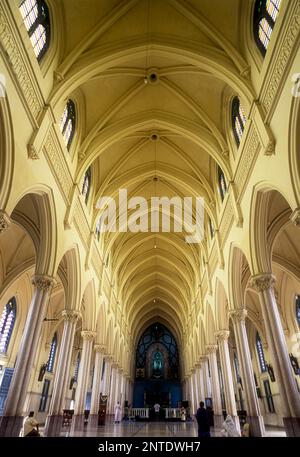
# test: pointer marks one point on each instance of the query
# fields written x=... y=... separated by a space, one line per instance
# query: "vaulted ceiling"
x=153 y=78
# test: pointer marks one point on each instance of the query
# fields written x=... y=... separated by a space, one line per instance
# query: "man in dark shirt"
x=203 y=422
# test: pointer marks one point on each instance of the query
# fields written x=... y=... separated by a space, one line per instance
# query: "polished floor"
x=150 y=429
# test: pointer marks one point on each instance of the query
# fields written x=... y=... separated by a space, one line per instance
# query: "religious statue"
x=157 y=364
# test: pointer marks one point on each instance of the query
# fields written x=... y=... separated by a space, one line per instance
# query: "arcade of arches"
x=168 y=98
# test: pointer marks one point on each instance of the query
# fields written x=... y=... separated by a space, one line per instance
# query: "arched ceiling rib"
x=196 y=60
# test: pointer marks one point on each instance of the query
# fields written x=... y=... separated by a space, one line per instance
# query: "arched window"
x=211 y=228
x=98 y=228
x=222 y=183
x=35 y=14
x=298 y=309
x=86 y=184
x=51 y=360
x=265 y=15
x=77 y=367
x=238 y=119
x=260 y=353
x=7 y=323
x=68 y=122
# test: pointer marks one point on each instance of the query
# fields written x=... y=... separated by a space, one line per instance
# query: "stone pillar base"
x=218 y=420
x=53 y=425
x=257 y=426
x=292 y=426
x=11 y=425
x=77 y=422
x=93 y=420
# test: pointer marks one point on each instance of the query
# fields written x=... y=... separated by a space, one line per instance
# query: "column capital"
x=262 y=281
x=211 y=348
x=295 y=217
x=43 y=282
x=202 y=359
x=238 y=315
x=87 y=335
x=4 y=221
x=100 y=348
x=115 y=365
x=197 y=365
x=223 y=335
x=109 y=358
x=70 y=315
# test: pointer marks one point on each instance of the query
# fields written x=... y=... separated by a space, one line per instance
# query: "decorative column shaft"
x=227 y=376
x=192 y=401
x=196 y=389
x=215 y=388
x=112 y=393
x=13 y=410
x=290 y=398
x=203 y=375
x=61 y=379
x=84 y=372
x=96 y=390
x=253 y=413
x=200 y=383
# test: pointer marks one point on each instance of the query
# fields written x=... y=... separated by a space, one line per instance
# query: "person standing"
x=203 y=422
x=229 y=428
x=30 y=426
x=156 y=409
x=117 y=413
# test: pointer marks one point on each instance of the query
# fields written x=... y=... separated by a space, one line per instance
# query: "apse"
x=157 y=369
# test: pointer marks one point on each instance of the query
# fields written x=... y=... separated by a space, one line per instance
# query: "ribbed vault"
x=162 y=71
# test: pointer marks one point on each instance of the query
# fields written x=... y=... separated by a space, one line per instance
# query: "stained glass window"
x=158 y=334
x=222 y=183
x=260 y=353
x=36 y=18
x=298 y=309
x=211 y=228
x=7 y=323
x=265 y=15
x=86 y=186
x=51 y=360
x=68 y=123
x=238 y=119
x=77 y=367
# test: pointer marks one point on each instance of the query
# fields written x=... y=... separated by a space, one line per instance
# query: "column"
x=215 y=388
x=200 y=382
x=107 y=375
x=12 y=416
x=112 y=393
x=255 y=418
x=203 y=368
x=288 y=390
x=83 y=379
x=196 y=389
x=207 y=377
x=61 y=379
x=227 y=376
x=96 y=390
x=192 y=392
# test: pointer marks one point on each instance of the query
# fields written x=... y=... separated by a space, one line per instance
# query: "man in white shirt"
x=30 y=426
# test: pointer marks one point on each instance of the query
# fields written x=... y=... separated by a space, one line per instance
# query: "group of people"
x=229 y=427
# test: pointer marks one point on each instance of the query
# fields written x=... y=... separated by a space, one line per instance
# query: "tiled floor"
x=151 y=429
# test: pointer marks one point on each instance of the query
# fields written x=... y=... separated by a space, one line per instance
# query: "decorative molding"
x=100 y=348
x=70 y=315
x=223 y=335
x=32 y=152
x=81 y=223
x=88 y=335
x=227 y=218
x=60 y=170
x=239 y=315
x=43 y=282
x=17 y=60
x=211 y=348
x=262 y=282
x=283 y=58
x=247 y=158
x=295 y=217
x=4 y=221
